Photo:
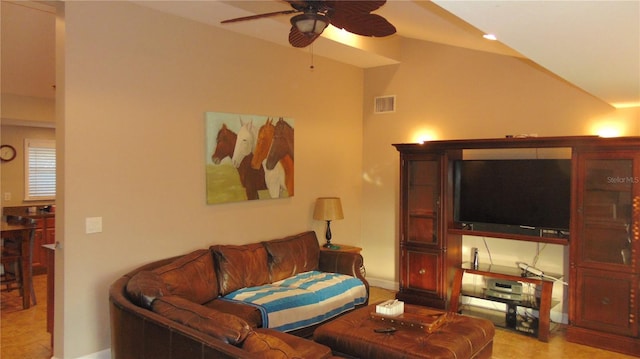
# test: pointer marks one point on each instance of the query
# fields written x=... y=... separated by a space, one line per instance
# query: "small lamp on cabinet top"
x=328 y=209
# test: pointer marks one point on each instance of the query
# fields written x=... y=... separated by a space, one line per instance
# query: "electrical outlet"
x=7 y=196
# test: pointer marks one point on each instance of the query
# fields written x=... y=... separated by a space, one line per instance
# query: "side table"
x=342 y=248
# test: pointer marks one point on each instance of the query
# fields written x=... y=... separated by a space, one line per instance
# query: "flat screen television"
x=504 y=194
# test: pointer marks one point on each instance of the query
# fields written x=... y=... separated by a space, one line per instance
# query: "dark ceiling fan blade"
x=364 y=24
x=355 y=17
x=300 y=5
x=355 y=6
x=259 y=16
x=298 y=39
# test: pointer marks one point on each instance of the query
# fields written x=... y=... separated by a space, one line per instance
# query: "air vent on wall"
x=384 y=104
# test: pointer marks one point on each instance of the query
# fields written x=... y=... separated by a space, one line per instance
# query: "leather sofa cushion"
x=240 y=266
x=304 y=347
x=269 y=347
x=249 y=313
x=292 y=255
x=226 y=327
x=192 y=277
x=145 y=287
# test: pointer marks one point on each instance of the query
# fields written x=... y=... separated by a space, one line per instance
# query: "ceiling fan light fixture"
x=310 y=23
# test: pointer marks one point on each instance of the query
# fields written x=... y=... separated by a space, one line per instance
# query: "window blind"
x=40 y=169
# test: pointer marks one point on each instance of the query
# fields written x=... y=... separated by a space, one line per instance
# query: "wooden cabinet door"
x=50 y=230
x=606 y=301
x=608 y=200
x=422 y=271
x=44 y=234
x=39 y=259
x=421 y=200
x=423 y=245
x=604 y=249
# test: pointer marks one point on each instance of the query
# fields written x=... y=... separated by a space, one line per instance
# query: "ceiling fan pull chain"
x=311 y=49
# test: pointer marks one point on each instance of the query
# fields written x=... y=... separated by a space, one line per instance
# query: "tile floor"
x=23 y=333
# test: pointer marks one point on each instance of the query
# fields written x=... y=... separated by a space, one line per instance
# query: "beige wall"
x=137 y=85
x=28 y=110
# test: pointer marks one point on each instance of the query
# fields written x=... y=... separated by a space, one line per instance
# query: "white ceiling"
x=594 y=45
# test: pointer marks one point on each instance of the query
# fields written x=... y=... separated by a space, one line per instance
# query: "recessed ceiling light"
x=491 y=37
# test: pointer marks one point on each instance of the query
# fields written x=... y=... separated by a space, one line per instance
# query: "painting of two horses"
x=249 y=157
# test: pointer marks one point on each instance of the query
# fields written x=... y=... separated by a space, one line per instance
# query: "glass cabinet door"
x=607 y=207
x=422 y=200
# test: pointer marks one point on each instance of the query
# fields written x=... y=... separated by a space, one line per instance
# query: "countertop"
x=23 y=211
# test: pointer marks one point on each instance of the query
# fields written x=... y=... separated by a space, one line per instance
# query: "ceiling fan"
x=315 y=15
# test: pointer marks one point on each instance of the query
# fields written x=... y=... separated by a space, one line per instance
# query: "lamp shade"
x=328 y=209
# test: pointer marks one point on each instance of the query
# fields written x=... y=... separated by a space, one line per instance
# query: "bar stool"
x=12 y=257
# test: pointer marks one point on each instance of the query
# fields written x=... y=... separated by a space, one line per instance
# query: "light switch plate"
x=93 y=225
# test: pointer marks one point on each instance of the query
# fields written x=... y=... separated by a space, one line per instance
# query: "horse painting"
x=281 y=152
x=287 y=165
x=245 y=175
x=282 y=143
x=225 y=143
x=263 y=144
x=275 y=178
x=253 y=180
x=244 y=143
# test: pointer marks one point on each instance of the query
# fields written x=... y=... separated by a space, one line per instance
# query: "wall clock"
x=7 y=153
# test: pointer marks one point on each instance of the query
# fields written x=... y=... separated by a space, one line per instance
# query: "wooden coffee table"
x=358 y=334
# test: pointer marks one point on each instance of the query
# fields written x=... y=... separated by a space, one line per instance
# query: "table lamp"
x=328 y=209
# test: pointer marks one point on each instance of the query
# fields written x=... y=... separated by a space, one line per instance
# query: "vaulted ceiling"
x=594 y=45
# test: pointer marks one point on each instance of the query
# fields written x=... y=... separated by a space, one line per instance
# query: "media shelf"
x=520 y=237
x=542 y=304
x=480 y=292
x=509 y=317
x=507 y=273
x=522 y=324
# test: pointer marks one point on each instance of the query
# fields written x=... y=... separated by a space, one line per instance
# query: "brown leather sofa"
x=172 y=308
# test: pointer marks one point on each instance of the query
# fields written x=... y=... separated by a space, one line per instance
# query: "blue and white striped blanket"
x=302 y=300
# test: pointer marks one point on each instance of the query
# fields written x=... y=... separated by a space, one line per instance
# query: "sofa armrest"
x=226 y=327
x=348 y=263
x=137 y=332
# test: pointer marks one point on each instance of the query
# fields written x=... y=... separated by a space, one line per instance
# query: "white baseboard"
x=105 y=354
x=383 y=283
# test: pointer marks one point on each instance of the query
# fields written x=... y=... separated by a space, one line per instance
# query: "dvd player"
x=503 y=295
x=506 y=286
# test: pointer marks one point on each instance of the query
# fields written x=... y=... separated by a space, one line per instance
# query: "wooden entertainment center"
x=603 y=238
